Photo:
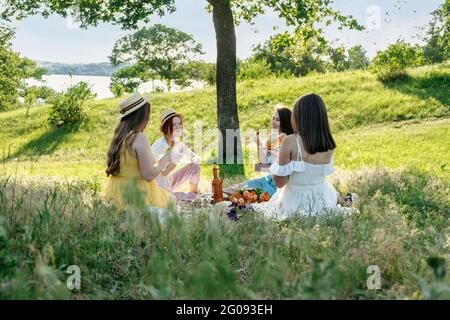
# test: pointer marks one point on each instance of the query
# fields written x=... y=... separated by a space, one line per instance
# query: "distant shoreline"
x=100 y=85
x=102 y=69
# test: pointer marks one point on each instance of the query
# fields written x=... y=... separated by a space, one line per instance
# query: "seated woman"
x=171 y=179
x=132 y=166
x=268 y=153
x=305 y=158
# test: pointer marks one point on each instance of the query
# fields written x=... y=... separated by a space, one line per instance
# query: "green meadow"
x=408 y=118
x=393 y=150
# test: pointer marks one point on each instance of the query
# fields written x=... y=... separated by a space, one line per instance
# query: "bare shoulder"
x=290 y=137
x=289 y=142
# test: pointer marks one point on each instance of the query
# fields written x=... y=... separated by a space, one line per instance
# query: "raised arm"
x=147 y=163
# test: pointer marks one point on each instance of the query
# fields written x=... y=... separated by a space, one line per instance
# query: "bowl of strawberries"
x=247 y=196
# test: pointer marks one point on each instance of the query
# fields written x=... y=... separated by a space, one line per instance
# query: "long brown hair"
x=311 y=121
x=124 y=136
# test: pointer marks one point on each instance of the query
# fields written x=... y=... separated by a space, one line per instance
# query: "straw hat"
x=169 y=114
x=132 y=103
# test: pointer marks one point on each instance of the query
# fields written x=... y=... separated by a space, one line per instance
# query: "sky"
x=57 y=39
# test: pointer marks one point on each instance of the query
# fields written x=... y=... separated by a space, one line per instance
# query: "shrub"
x=210 y=73
x=117 y=89
x=293 y=54
x=69 y=107
x=251 y=69
x=392 y=63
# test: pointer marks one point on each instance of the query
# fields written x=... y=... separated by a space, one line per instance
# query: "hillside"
x=87 y=69
x=402 y=226
x=375 y=124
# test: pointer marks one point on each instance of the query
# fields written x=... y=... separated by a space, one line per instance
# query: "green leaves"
x=13 y=71
x=392 y=63
x=69 y=107
x=357 y=58
x=90 y=12
x=156 y=52
x=298 y=54
x=297 y=13
x=437 y=47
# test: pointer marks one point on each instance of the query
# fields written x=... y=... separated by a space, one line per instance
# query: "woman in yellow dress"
x=132 y=167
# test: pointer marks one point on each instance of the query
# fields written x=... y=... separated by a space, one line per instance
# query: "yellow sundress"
x=128 y=187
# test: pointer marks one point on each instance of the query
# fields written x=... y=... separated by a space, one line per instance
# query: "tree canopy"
x=89 y=13
x=437 y=47
x=15 y=69
x=156 y=52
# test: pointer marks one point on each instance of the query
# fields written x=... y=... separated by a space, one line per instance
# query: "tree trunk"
x=230 y=150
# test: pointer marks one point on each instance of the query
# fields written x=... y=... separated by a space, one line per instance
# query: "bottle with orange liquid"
x=217 y=185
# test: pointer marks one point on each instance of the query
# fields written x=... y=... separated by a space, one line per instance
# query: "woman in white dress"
x=305 y=159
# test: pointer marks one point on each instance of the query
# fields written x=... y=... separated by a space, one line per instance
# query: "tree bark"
x=227 y=111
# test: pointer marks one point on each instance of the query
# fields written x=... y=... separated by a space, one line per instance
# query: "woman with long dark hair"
x=131 y=165
x=268 y=152
x=305 y=159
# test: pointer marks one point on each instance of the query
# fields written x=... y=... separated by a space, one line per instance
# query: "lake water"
x=100 y=85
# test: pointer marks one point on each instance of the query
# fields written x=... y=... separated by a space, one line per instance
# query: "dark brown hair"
x=285 y=120
x=124 y=136
x=311 y=121
x=167 y=128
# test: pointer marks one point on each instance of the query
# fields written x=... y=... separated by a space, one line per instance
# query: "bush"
x=43 y=93
x=117 y=89
x=208 y=73
x=293 y=54
x=251 y=69
x=69 y=107
x=391 y=64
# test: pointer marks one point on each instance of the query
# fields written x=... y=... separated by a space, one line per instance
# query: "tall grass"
x=392 y=150
x=45 y=226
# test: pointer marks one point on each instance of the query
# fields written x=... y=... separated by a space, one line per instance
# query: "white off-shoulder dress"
x=307 y=191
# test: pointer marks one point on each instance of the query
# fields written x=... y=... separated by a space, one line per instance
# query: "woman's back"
x=129 y=185
x=305 y=159
x=129 y=165
x=314 y=167
x=305 y=168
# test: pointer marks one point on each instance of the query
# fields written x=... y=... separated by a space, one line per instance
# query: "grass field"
x=393 y=150
x=356 y=101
